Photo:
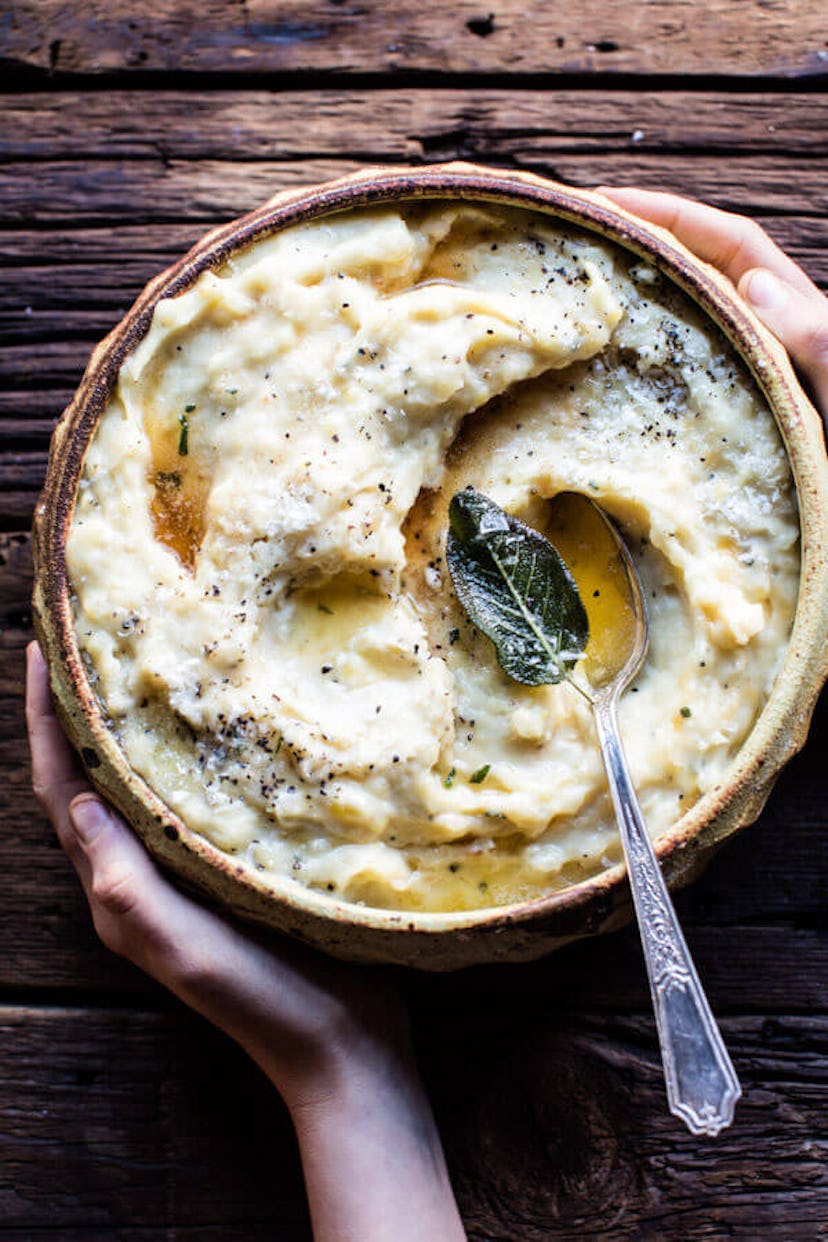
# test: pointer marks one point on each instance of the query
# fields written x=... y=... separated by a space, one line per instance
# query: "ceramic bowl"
x=523 y=930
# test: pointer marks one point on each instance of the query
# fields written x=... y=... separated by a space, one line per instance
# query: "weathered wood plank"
x=561 y=1132
x=82 y=321
x=141 y=191
x=22 y=469
x=407 y=124
x=156 y=244
x=120 y=1119
x=60 y=365
x=16 y=509
x=502 y=36
x=28 y=416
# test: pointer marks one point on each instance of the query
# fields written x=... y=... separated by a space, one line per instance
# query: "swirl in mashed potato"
x=257 y=549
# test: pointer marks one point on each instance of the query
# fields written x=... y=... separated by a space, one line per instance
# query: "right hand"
x=777 y=289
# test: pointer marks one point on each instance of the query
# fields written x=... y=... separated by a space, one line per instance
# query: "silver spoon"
x=702 y=1087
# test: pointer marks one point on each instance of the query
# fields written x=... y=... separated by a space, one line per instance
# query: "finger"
x=57 y=776
x=730 y=242
x=137 y=912
x=800 y=322
x=243 y=986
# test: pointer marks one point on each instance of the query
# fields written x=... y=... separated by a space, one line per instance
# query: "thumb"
x=799 y=320
x=136 y=911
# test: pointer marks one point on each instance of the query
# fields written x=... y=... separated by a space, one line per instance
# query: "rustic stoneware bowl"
x=527 y=929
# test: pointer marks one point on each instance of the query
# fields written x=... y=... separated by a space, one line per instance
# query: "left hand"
x=296 y=1012
x=332 y=1038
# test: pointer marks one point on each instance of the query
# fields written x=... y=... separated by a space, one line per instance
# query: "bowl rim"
x=778 y=732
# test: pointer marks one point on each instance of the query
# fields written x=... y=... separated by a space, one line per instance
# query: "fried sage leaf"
x=516 y=588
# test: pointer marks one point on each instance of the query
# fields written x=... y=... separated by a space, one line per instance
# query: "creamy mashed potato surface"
x=257 y=549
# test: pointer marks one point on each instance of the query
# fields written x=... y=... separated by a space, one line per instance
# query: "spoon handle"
x=702 y=1087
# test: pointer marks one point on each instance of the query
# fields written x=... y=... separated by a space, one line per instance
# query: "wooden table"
x=128 y=130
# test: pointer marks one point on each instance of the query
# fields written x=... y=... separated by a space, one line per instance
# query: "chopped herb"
x=188 y=409
x=478 y=777
x=454 y=867
x=324 y=608
x=278 y=745
x=685 y=711
x=183 y=435
x=448 y=780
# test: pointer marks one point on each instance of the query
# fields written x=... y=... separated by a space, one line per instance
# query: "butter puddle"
x=583 y=540
x=180 y=486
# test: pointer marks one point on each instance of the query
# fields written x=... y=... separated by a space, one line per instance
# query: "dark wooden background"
x=127 y=130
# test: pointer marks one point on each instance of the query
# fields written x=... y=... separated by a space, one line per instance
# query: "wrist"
x=371 y=1152
x=333 y=1058
x=344 y=1072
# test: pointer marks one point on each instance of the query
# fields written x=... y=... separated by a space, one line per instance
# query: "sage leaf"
x=516 y=589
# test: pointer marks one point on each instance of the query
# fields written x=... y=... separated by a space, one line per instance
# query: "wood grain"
x=128 y=130
x=408 y=124
x=151 y=1121
x=121 y=192
x=584 y=37
x=558 y=1133
x=118 y=1118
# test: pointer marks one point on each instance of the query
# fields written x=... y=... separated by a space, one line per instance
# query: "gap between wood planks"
x=584 y=38
x=288 y=82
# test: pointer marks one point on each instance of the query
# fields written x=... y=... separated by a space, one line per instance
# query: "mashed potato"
x=256 y=553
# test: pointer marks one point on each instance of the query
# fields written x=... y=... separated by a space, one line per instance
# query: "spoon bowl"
x=702 y=1087
x=610 y=588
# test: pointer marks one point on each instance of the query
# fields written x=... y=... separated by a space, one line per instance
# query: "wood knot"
x=545 y=1147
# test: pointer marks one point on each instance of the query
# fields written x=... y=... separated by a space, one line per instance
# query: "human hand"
x=775 y=287
x=291 y=1009
x=332 y=1038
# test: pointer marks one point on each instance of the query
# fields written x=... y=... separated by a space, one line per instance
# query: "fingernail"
x=88 y=817
x=765 y=292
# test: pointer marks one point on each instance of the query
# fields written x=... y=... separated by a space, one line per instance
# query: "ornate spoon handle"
x=702 y=1087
